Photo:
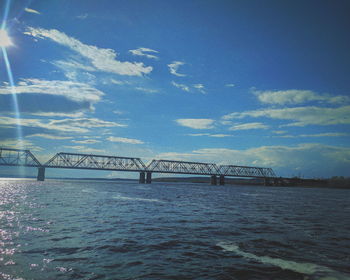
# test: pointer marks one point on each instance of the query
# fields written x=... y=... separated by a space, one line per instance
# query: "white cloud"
x=248 y=126
x=83 y=16
x=148 y=90
x=301 y=116
x=210 y=135
x=19 y=144
x=118 y=112
x=73 y=64
x=198 y=134
x=196 y=123
x=230 y=85
x=279 y=131
x=74 y=91
x=181 y=86
x=32 y=11
x=144 y=52
x=101 y=59
x=119 y=83
x=57 y=114
x=220 y=135
x=87 y=141
x=124 y=140
x=327 y=134
x=200 y=88
x=78 y=125
x=305 y=159
x=174 y=66
x=49 y=136
x=84 y=149
x=293 y=96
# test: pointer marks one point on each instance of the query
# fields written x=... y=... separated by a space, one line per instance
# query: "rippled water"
x=123 y=230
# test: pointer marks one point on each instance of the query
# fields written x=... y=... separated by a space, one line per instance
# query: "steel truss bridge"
x=17 y=157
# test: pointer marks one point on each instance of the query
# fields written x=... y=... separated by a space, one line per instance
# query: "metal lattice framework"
x=182 y=167
x=246 y=171
x=97 y=162
x=17 y=157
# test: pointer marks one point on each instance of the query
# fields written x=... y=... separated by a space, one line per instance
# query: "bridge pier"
x=41 y=174
x=213 y=179
x=268 y=181
x=142 y=178
x=222 y=180
x=149 y=178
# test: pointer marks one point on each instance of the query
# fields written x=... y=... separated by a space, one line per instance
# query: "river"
x=73 y=229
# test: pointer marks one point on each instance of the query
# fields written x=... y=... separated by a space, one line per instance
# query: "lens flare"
x=5 y=40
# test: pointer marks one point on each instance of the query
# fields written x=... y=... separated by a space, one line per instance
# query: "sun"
x=5 y=40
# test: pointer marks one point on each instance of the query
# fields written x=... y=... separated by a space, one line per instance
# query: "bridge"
x=18 y=157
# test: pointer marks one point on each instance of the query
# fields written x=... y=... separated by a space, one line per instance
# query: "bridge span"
x=217 y=173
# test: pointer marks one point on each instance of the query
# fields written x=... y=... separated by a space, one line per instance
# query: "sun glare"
x=5 y=40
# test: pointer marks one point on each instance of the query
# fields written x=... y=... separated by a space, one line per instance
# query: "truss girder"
x=18 y=157
x=246 y=171
x=182 y=167
x=97 y=162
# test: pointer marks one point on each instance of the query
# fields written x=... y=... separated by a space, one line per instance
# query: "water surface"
x=124 y=230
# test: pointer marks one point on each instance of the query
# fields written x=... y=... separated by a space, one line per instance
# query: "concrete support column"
x=142 y=178
x=222 y=180
x=267 y=182
x=41 y=174
x=213 y=179
x=149 y=178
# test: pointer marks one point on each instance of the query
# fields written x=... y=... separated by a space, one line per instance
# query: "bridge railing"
x=99 y=162
x=18 y=157
x=182 y=167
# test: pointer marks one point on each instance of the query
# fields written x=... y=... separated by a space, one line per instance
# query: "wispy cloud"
x=148 y=90
x=249 y=126
x=87 y=141
x=301 y=116
x=58 y=114
x=119 y=83
x=124 y=140
x=145 y=52
x=78 y=125
x=84 y=149
x=74 y=91
x=174 y=66
x=230 y=85
x=196 y=87
x=101 y=59
x=83 y=16
x=327 y=134
x=22 y=144
x=306 y=158
x=200 y=88
x=210 y=135
x=49 y=136
x=32 y=11
x=196 y=123
x=293 y=96
x=181 y=86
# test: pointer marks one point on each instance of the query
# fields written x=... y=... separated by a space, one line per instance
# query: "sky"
x=256 y=83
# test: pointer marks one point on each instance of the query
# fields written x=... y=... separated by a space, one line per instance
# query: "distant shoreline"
x=334 y=182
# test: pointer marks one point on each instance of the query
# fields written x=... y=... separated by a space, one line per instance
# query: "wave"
x=315 y=271
x=120 y=197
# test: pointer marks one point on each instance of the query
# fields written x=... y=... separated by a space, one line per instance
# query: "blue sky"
x=258 y=83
